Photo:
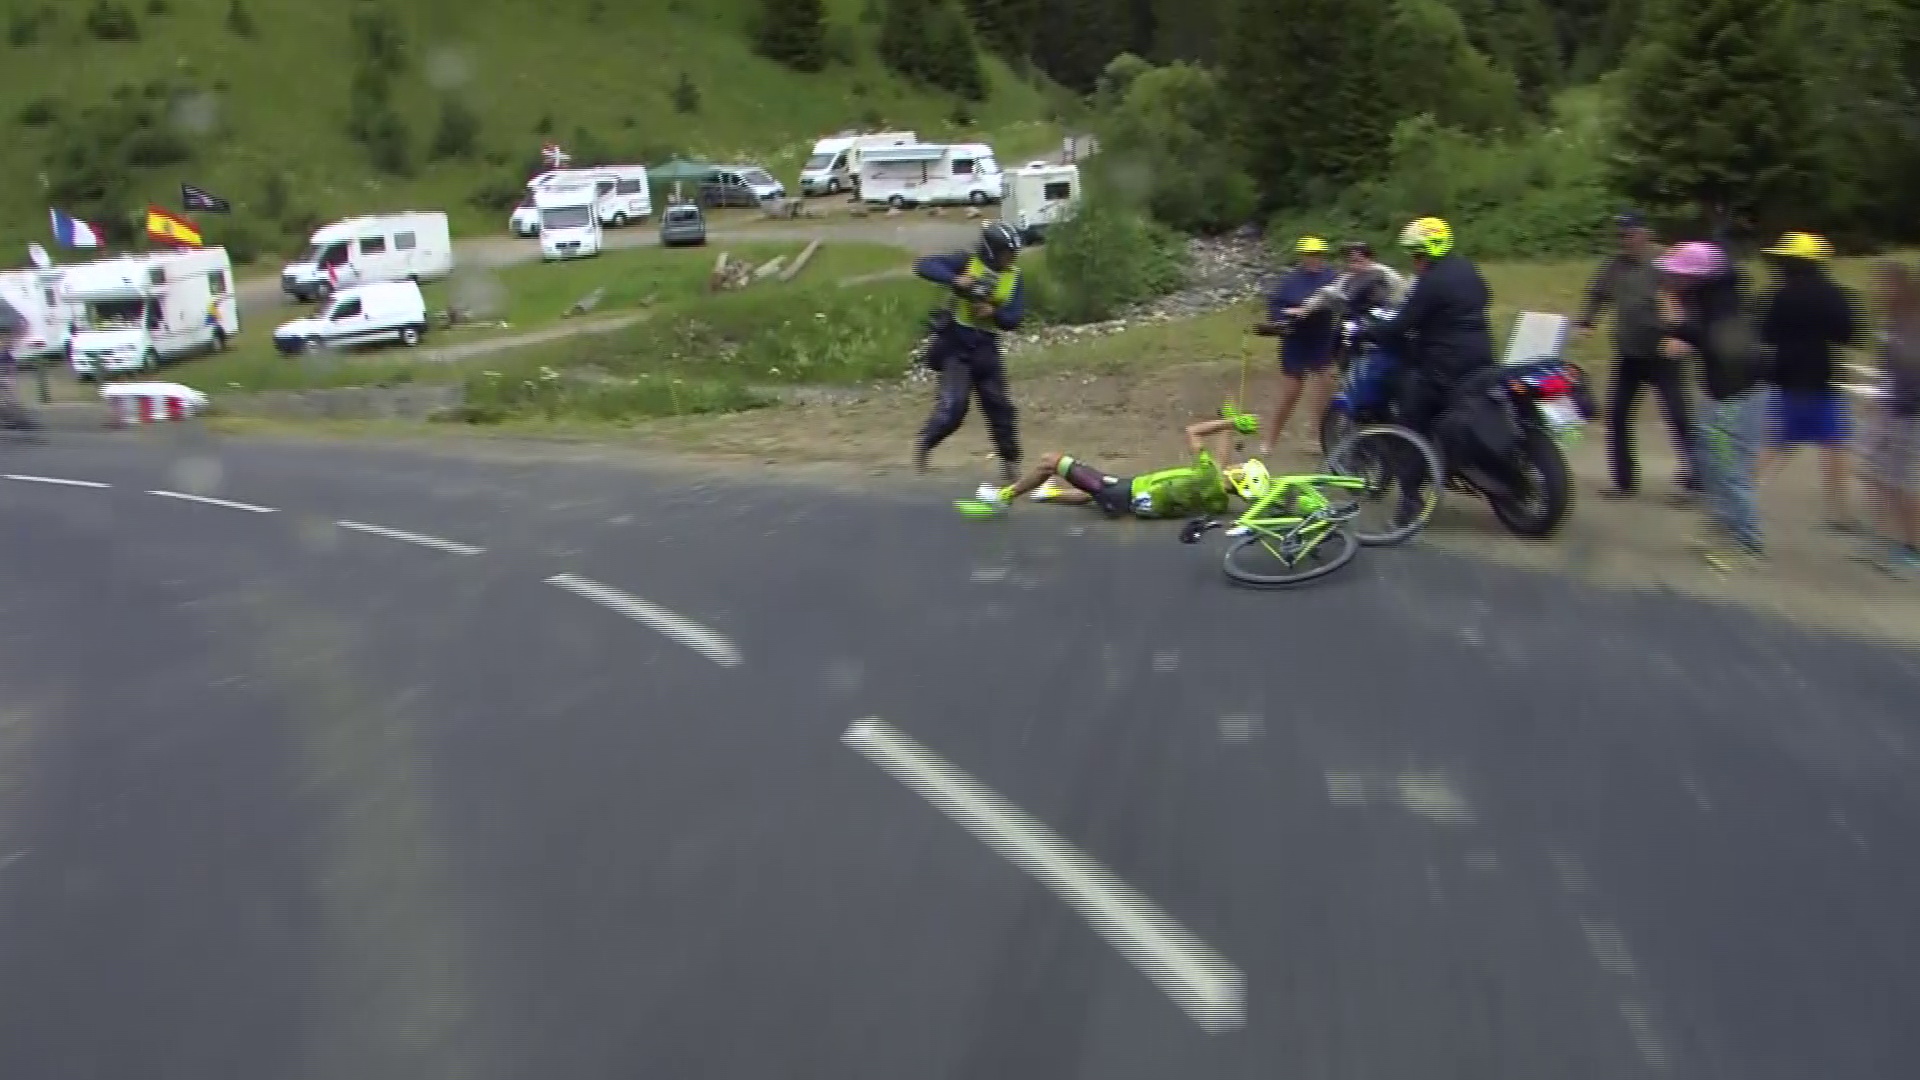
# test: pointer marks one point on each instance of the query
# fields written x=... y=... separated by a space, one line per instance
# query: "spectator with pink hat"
x=1704 y=309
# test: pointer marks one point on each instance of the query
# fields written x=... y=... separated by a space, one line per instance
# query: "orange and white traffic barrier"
x=152 y=403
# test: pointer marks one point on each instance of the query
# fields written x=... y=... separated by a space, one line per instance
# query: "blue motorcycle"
x=1499 y=438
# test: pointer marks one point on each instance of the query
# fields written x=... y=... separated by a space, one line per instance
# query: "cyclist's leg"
x=1111 y=493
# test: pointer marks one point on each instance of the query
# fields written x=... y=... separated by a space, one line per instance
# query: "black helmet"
x=999 y=243
x=1357 y=247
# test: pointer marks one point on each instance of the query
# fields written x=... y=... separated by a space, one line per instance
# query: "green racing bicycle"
x=1302 y=527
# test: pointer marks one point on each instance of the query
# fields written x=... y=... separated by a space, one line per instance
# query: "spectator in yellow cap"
x=1306 y=342
x=1806 y=321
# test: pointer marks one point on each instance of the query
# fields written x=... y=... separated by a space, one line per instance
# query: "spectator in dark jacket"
x=1702 y=306
x=1441 y=331
x=1307 y=342
x=1629 y=283
x=1807 y=320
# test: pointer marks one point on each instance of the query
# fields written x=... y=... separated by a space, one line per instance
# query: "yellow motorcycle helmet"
x=1428 y=236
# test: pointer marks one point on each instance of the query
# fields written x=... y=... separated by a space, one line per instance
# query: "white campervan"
x=135 y=312
x=835 y=164
x=36 y=295
x=1040 y=195
x=569 y=221
x=413 y=245
x=929 y=174
x=625 y=194
x=372 y=314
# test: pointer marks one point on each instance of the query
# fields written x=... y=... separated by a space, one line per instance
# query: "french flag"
x=70 y=231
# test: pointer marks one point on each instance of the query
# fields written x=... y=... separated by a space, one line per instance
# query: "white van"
x=929 y=174
x=372 y=314
x=136 y=312
x=413 y=245
x=625 y=194
x=569 y=222
x=1040 y=195
x=835 y=164
x=36 y=295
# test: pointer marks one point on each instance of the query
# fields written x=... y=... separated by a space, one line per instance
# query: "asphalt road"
x=538 y=768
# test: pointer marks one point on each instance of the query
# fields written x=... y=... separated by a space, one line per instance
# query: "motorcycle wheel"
x=1538 y=513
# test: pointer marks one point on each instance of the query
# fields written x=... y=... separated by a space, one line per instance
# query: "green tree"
x=458 y=133
x=793 y=32
x=1437 y=71
x=1712 y=132
x=1006 y=26
x=239 y=19
x=929 y=41
x=1074 y=40
x=1161 y=138
x=1864 y=114
x=1306 y=78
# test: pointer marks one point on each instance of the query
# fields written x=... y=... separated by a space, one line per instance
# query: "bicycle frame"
x=1297 y=534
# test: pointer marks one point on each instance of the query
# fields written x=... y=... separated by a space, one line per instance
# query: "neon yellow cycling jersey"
x=1183 y=491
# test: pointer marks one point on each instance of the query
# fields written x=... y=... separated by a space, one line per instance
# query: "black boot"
x=920 y=459
x=1009 y=472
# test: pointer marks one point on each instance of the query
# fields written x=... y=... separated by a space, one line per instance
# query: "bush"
x=931 y=42
x=377 y=36
x=112 y=21
x=157 y=7
x=458 y=133
x=244 y=245
x=40 y=112
x=1541 y=194
x=25 y=24
x=276 y=197
x=239 y=19
x=686 y=96
x=1105 y=258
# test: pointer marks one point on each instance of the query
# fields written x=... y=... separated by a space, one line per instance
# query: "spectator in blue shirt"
x=1307 y=341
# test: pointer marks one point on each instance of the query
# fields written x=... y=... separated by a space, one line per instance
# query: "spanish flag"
x=170 y=229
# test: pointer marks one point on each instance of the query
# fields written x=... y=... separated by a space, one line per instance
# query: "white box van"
x=36 y=295
x=929 y=174
x=376 y=313
x=413 y=245
x=569 y=222
x=1040 y=195
x=136 y=312
x=835 y=164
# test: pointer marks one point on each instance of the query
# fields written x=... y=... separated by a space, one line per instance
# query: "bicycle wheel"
x=1402 y=475
x=1257 y=559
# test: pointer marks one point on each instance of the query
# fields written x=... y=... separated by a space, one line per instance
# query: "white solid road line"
x=211 y=501
x=25 y=479
x=683 y=630
x=448 y=546
x=1199 y=980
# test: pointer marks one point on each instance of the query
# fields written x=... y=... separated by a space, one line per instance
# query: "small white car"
x=525 y=220
x=373 y=314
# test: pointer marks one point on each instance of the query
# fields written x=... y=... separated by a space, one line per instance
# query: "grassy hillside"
x=259 y=106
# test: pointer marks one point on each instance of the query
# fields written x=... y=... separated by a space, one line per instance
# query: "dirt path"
x=467 y=350
x=1127 y=423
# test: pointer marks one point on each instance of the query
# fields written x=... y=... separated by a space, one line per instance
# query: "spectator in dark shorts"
x=1306 y=343
x=1629 y=283
x=1807 y=320
x=1893 y=439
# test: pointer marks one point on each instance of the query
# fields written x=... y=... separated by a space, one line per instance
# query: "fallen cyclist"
x=1200 y=487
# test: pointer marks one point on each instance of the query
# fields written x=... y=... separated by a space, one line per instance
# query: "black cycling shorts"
x=1114 y=494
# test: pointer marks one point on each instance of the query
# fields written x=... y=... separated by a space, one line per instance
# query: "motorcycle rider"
x=1441 y=332
x=965 y=350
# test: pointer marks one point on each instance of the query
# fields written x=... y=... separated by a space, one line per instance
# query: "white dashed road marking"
x=1209 y=988
x=209 y=500
x=434 y=542
x=25 y=479
x=679 y=628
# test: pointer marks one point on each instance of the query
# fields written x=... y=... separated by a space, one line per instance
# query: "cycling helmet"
x=1310 y=245
x=1428 y=236
x=1248 y=480
x=999 y=243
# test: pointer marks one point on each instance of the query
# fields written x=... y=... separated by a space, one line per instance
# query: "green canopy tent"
x=681 y=177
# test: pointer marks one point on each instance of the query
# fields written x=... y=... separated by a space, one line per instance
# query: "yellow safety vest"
x=1002 y=294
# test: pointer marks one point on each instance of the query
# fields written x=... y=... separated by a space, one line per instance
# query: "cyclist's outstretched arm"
x=1203 y=435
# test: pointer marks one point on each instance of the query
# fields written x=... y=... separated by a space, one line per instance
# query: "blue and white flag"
x=70 y=231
